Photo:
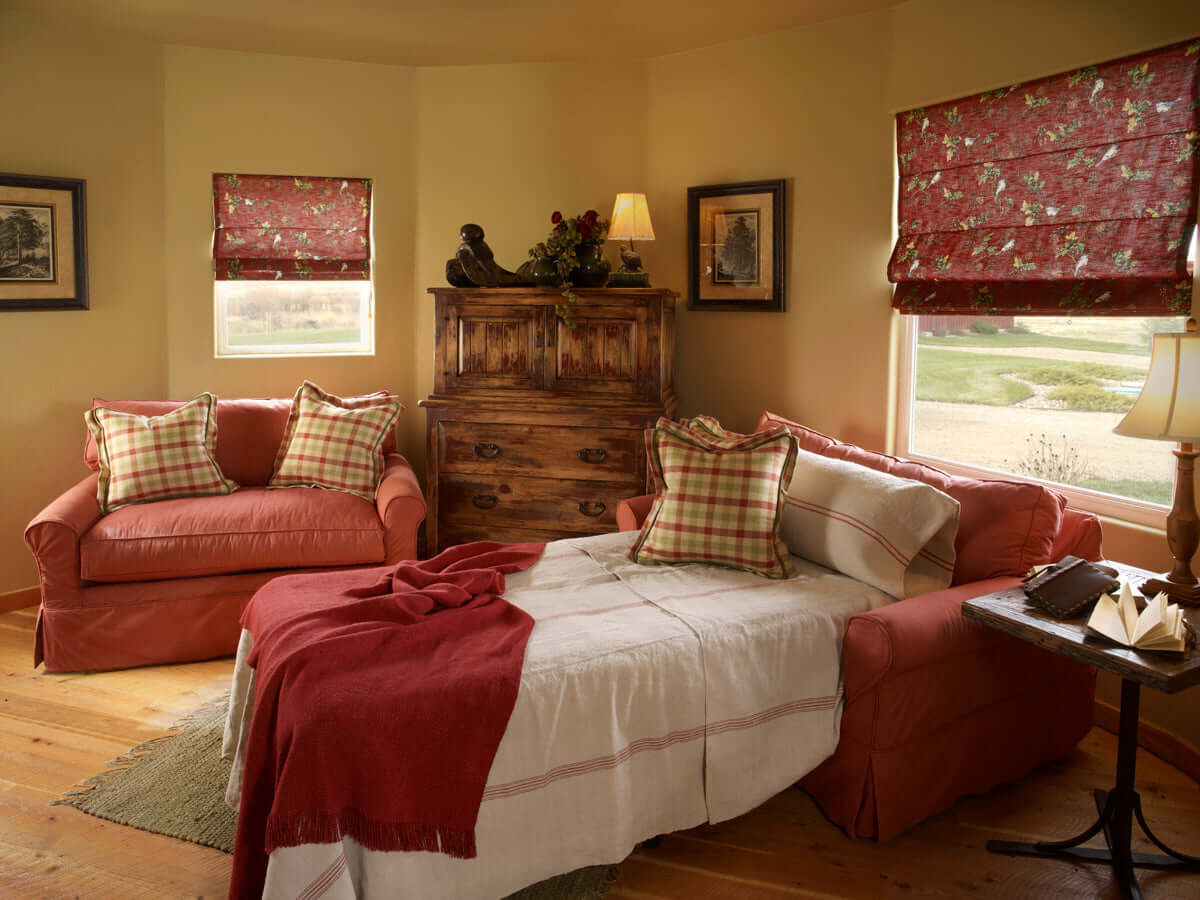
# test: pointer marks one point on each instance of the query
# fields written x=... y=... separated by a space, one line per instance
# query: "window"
x=1043 y=237
x=292 y=263
x=1036 y=397
x=294 y=318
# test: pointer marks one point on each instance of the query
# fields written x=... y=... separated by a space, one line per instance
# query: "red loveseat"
x=167 y=581
x=936 y=706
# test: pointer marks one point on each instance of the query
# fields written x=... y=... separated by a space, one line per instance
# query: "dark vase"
x=593 y=266
x=544 y=272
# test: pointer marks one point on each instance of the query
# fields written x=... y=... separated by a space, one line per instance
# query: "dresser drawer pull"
x=485 y=501
x=592 y=455
x=592 y=508
x=487 y=451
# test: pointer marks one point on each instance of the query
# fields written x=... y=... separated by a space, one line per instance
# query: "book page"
x=1106 y=620
x=1129 y=611
x=1151 y=624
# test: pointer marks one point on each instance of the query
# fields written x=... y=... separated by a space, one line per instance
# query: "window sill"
x=1148 y=515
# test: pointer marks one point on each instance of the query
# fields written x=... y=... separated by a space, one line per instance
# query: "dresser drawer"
x=610 y=454
x=464 y=533
x=554 y=504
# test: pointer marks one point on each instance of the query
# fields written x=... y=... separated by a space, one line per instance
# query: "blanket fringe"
x=324 y=828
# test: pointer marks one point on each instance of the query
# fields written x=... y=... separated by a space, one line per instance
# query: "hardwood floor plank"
x=56 y=730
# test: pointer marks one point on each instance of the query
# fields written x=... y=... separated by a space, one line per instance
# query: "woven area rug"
x=175 y=785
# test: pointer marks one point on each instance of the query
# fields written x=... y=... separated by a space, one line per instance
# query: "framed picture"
x=735 y=246
x=43 y=244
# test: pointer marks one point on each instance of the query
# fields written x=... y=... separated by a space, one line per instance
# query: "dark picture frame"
x=736 y=246
x=43 y=243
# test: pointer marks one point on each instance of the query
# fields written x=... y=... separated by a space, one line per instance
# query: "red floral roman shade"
x=1070 y=194
x=290 y=227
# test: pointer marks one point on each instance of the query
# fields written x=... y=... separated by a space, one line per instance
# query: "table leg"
x=1116 y=809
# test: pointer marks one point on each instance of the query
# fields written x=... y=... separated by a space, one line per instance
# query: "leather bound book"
x=1069 y=586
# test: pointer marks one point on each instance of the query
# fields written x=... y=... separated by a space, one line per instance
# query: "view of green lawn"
x=1041 y=400
x=295 y=336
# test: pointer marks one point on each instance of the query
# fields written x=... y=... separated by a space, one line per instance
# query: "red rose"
x=591 y=216
x=555 y=217
x=585 y=231
x=561 y=226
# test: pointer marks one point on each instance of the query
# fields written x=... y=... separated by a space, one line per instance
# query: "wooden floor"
x=57 y=729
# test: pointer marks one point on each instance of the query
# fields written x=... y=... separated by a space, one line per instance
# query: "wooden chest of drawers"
x=535 y=428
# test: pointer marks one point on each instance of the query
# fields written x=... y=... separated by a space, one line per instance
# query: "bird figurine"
x=631 y=260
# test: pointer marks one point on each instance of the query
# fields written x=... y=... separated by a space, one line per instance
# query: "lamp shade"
x=631 y=219
x=1168 y=408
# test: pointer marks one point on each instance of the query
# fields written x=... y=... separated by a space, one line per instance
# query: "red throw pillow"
x=1004 y=527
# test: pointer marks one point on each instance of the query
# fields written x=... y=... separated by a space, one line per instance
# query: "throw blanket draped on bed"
x=381 y=696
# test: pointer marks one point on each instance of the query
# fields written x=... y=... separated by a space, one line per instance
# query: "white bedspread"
x=652 y=699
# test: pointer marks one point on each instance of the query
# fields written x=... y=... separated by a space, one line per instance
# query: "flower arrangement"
x=562 y=245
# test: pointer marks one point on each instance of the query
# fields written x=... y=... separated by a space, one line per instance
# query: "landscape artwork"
x=27 y=243
x=735 y=236
x=736 y=246
x=43 y=243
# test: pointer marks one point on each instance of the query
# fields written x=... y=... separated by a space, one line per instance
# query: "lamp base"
x=628 y=279
x=1176 y=592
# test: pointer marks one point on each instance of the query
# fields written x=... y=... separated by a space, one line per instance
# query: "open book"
x=1157 y=627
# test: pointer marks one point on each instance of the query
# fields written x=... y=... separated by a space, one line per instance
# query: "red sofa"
x=937 y=706
x=167 y=581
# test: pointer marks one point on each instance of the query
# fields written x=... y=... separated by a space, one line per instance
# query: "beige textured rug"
x=175 y=785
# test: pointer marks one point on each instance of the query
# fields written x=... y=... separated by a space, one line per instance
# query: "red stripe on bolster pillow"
x=1004 y=527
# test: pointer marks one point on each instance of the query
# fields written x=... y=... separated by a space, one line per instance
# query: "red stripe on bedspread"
x=601 y=763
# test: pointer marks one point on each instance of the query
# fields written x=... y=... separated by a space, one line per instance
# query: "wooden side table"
x=1011 y=612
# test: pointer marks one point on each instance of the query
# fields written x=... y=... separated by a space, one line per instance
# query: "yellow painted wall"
x=807 y=106
x=79 y=106
x=246 y=112
x=504 y=147
x=815 y=106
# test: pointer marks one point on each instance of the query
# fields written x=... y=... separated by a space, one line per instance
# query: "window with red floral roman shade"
x=1070 y=194
x=291 y=228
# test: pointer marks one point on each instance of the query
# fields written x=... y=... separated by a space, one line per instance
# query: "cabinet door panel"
x=578 y=507
x=604 y=353
x=612 y=454
x=491 y=346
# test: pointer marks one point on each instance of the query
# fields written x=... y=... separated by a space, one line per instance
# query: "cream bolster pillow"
x=891 y=533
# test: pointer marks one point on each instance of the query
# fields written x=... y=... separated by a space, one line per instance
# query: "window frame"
x=1139 y=512
x=222 y=349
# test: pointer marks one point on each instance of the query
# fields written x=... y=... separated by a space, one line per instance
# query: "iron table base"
x=1117 y=808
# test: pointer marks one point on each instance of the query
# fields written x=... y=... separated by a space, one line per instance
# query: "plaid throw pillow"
x=146 y=458
x=335 y=443
x=720 y=500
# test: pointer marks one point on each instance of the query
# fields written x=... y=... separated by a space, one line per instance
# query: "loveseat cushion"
x=1004 y=527
x=251 y=529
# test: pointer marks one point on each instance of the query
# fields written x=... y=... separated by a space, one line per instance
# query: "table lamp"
x=1168 y=409
x=630 y=221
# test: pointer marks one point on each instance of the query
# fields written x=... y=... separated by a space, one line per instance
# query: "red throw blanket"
x=380 y=698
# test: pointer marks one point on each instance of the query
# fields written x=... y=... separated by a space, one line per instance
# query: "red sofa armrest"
x=632 y=513
x=938 y=706
x=919 y=631
x=53 y=535
x=401 y=506
x=1080 y=535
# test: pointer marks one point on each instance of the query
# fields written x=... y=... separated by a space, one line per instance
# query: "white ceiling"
x=447 y=32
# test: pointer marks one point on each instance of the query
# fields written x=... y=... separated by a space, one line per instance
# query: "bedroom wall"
x=504 y=146
x=975 y=54
x=248 y=112
x=95 y=113
x=815 y=106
